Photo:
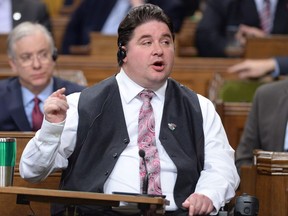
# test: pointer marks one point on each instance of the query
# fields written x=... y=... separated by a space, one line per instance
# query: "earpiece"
x=55 y=54
x=121 y=54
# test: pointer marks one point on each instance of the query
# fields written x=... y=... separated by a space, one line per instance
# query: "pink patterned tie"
x=37 y=115
x=265 y=16
x=146 y=142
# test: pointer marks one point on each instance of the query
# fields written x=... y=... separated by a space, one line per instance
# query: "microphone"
x=146 y=178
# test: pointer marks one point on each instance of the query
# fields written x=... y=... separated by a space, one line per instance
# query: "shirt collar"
x=28 y=96
x=129 y=89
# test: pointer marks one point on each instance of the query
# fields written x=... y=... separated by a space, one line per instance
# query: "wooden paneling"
x=271 y=182
x=3 y=43
x=233 y=116
x=103 y=45
x=268 y=181
x=185 y=46
x=59 y=24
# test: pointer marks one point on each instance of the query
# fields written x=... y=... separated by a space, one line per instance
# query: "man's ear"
x=13 y=65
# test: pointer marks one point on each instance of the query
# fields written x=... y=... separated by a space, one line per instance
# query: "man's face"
x=150 y=55
x=33 y=62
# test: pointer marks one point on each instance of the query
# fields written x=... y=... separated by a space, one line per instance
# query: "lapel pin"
x=172 y=126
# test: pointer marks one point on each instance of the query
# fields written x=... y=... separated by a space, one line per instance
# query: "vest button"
x=126 y=141
x=106 y=173
x=115 y=155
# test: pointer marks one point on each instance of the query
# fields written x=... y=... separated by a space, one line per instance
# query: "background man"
x=32 y=57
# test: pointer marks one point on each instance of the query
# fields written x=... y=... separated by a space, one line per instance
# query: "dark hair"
x=137 y=16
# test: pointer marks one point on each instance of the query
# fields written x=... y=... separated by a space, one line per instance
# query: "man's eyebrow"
x=167 y=35
x=39 y=51
x=150 y=36
x=144 y=37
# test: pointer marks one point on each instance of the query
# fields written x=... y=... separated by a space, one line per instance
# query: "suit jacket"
x=283 y=65
x=31 y=10
x=91 y=16
x=266 y=124
x=210 y=38
x=12 y=112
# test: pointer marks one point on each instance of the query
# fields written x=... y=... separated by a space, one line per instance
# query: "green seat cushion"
x=238 y=90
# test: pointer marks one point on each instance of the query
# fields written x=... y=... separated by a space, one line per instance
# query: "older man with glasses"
x=32 y=57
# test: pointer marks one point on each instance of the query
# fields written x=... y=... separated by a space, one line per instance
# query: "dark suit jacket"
x=219 y=14
x=31 y=10
x=283 y=65
x=12 y=112
x=266 y=124
x=91 y=16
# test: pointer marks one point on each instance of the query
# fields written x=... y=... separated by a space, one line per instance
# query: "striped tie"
x=265 y=17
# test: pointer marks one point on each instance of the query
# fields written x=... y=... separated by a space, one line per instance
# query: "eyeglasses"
x=28 y=59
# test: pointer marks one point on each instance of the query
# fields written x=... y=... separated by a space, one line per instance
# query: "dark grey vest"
x=102 y=136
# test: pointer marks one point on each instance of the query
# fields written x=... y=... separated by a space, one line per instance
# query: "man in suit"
x=105 y=15
x=221 y=15
x=97 y=140
x=32 y=57
x=13 y=12
x=266 y=126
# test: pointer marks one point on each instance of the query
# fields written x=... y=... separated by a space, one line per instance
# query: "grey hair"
x=25 y=29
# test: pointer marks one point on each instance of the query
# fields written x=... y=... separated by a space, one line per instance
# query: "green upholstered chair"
x=238 y=90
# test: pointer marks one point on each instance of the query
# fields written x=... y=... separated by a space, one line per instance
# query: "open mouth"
x=158 y=65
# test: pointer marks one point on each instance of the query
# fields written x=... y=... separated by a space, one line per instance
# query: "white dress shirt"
x=54 y=143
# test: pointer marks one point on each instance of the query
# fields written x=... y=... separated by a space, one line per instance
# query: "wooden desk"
x=25 y=195
x=272 y=182
x=267 y=47
x=41 y=194
x=268 y=181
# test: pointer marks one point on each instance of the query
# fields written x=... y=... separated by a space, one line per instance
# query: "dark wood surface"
x=267 y=47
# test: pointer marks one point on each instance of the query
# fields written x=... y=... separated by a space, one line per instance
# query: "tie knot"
x=146 y=95
x=37 y=100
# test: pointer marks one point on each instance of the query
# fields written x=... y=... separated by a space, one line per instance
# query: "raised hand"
x=253 y=68
x=245 y=32
x=56 y=106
